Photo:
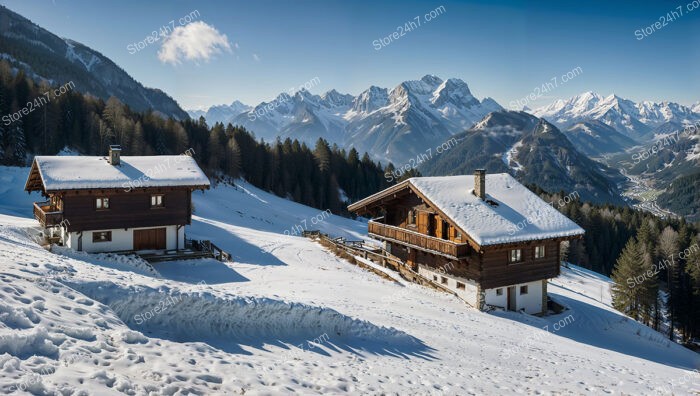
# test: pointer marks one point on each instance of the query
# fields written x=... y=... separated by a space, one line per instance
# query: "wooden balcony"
x=419 y=241
x=47 y=215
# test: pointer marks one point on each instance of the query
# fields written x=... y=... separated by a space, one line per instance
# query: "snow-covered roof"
x=81 y=172
x=517 y=214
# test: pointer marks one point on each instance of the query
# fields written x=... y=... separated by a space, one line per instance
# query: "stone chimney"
x=480 y=183
x=115 y=151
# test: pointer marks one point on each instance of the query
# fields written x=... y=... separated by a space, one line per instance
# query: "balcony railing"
x=47 y=215
x=419 y=241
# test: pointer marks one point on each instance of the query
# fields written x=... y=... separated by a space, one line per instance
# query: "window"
x=102 y=236
x=157 y=201
x=516 y=256
x=443 y=280
x=411 y=217
x=523 y=289
x=539 y=252
x=435 y=278
x=102 y=203
x=460 y=285
x=458 y=235
x=499 y=292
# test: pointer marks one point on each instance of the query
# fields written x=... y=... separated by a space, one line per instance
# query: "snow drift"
x=226 y=320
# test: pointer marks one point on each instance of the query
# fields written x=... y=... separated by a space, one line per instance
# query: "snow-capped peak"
x=371 y=99
x=453 y=91
x=334 y=98
x=428 y=110
x=626 y=116
x=432 y=80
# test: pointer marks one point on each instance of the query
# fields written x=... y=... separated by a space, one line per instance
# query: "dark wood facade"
x=419 y=233
x=77 y=209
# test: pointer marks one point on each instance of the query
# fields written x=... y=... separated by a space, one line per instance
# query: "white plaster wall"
x=532 y=301
x=470 y=292
x=491 y=298
x=123 y=239
x=180 y=238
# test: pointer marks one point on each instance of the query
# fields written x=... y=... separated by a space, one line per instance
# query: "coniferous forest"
x=629 y=245
x=313 y=176
x=620 y=241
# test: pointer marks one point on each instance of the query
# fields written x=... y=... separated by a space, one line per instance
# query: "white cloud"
x=256 y=57
x=194 y=41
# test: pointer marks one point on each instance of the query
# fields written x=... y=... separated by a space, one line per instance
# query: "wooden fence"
x=378 y=256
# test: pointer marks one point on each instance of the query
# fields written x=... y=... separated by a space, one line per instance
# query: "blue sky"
x=501 y=49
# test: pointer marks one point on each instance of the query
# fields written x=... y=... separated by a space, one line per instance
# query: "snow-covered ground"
x=289 y=317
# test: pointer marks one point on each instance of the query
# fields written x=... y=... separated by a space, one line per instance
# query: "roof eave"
x=377 y=196
x=35 y=180
x=520 y=242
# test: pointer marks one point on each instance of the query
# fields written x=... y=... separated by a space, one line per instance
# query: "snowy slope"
x=288 y=316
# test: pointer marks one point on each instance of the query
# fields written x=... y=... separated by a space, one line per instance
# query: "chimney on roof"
x=480 y=183
x=114 y=153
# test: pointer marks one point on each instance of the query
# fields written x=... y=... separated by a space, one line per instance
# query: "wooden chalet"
x=492 y=241
x=115 y=203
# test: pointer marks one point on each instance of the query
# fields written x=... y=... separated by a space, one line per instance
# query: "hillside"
x=531 y=149
x=595 y=138
x=46 y=57
x=288 y=316
x=682 y=196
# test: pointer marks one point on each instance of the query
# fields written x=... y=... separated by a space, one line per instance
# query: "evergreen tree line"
x=660 y=259
x=323 y=176
x=629 y=244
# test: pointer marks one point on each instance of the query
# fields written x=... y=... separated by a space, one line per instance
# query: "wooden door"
x=432 y=224
x=150 y=239
x=511 y=298
x=445 y=234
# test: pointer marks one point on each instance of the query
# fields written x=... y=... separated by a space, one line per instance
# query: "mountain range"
x=46 y=57
x=639 y=121
x=553 y=146
x=596 y=138
x=220 y=113
x=392 y=125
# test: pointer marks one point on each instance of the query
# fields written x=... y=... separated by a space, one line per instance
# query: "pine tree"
x=2 y=144
x=645 y=235
x=692 y=268
x=626 y=296
x=634 y=292
x=322 y=153
x=17 y=145
x=667 y=249
x=233 y=158
x=215 y=147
